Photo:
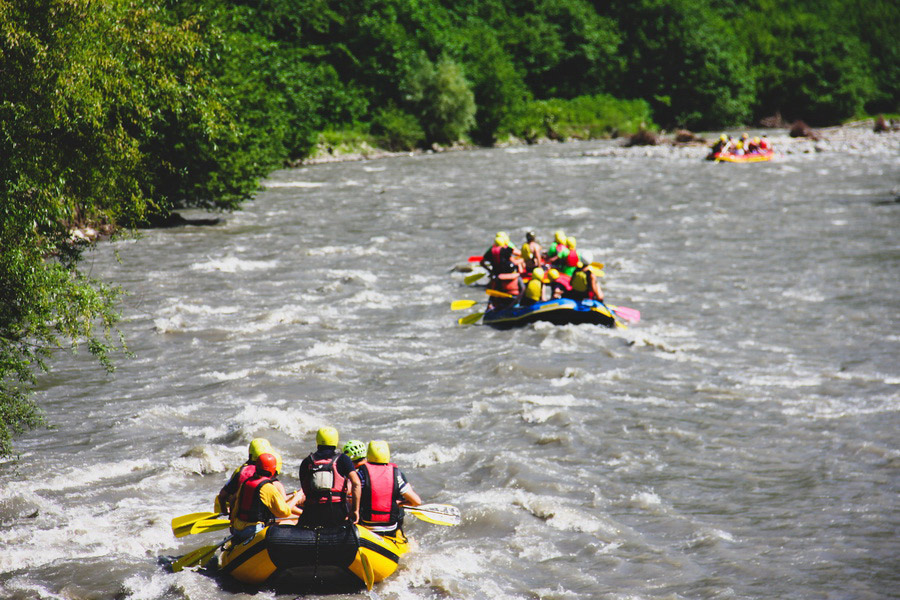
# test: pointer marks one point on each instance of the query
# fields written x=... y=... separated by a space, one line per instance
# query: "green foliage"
x=498 y=87
x=440 y=97
x=397 y=130
x=584 y=117
x=681 y=58
x=806 y=67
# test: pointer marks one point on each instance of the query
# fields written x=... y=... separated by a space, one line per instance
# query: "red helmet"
x=267 y=463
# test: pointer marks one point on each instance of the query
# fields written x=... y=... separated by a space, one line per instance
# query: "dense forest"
x=114 y=112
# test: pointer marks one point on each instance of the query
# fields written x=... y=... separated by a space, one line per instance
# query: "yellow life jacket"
x=579 y=281
x=526 y=251
x=534 y=290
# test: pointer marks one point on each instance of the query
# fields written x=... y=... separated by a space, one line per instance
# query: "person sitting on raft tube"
x=722 y=145
x=532 y=253
x=584 y=282
x=559 y=243
x=260 y=501
x=535 y=289
x=568 y=263
x=559 y=283
x=384 y=489
x=504 y=266
x=225 y=499
x=325 y=476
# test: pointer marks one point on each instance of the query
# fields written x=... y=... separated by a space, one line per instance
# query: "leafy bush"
x=585 y=117
x=397 y=130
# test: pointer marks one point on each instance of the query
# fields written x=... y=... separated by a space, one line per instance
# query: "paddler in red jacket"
x=260 y=501
x=505 y=267
x=225 y=499
x=384 y=489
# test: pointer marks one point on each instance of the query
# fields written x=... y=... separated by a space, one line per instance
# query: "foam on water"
x=233 y=264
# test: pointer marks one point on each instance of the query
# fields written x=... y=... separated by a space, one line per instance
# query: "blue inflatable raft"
x=561 y=311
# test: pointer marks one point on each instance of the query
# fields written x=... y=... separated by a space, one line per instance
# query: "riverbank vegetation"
x=113 y=113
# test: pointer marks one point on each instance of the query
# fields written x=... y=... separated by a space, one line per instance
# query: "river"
x=741 y=441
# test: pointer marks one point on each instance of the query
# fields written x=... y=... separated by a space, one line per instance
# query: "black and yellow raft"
x=335 y=554
x=559 y=311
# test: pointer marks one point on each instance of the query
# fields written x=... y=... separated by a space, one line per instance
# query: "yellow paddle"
x=470 y=279
x=461 y=304
x=470 y=319
x=368 y=573
x=200 y=556
x=437 y=514
x=181 y=526
x=209 y=525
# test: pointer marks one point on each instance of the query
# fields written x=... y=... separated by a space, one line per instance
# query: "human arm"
x=595 y=287
x=273 y=498
x=355 y=494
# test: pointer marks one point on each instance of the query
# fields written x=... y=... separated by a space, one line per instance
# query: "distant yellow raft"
x=328 y=554
x=744 y=158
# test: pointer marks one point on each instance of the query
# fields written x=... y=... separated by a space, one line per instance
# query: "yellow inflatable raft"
x=326 y=554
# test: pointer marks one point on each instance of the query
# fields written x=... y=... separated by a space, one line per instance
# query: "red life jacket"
x=237 y=479
x=562 y=281
x=338 y=491
x=249 y=506
x=378 y=503
x=572 y=259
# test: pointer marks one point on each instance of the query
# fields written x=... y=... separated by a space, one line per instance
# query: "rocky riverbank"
x=857 y=138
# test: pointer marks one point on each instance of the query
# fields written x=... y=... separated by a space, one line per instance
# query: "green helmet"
x=355 y=449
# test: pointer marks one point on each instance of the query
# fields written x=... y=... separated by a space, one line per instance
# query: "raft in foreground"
x=559 y=311
x=332 y=555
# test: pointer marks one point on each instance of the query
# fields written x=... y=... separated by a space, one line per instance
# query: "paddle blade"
x=368 y=572
x=437 y=514
x=197 y=557
x=209 y=525
x=469 y=279
x=597 y=265
x=497 y=293
x=179 y=522
x=461 y=304
x=629 y=314
x=475 y=258
x=470 y=319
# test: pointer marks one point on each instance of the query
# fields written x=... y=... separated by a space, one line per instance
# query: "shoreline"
x=858 y=137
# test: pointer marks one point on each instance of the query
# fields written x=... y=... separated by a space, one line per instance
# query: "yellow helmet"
x=559 y=236
x=379 y=452
x=723 y=137
x=259 y=446
x=553 y=274
x=570 y=242
x=756 y=140
x=327 y=436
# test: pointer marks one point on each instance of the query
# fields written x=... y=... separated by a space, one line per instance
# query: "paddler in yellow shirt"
x=260 y=500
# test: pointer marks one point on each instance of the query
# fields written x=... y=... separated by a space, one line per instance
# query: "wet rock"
x=801 y=129
x=642 y=138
